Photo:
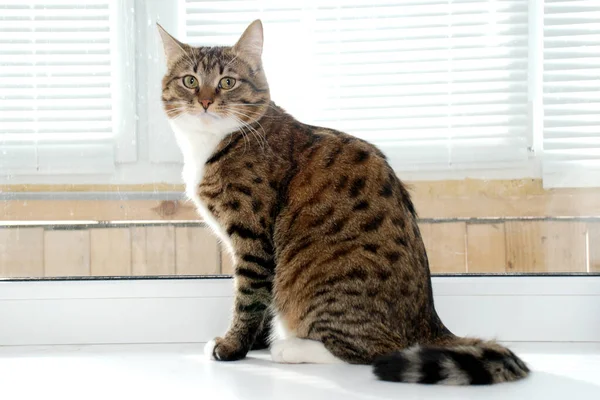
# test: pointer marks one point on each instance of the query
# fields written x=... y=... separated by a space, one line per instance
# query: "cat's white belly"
x=280 y=329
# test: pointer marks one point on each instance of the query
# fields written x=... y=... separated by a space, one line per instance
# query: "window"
x=501 y=92
x=64 y=95
x=571 y=93
x=487 y=108
x=436 y=84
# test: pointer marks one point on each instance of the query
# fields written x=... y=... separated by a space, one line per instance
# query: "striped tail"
x=452 y=361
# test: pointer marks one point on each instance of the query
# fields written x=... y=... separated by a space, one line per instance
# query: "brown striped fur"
x=323 y=232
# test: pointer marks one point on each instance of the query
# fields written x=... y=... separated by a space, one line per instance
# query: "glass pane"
x=498 y=143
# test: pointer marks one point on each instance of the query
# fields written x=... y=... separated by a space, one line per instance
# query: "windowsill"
x=548 y=309
x=180 y=371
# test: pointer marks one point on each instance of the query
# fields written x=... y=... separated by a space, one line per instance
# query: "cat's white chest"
x=198 y=138
x=193 y=172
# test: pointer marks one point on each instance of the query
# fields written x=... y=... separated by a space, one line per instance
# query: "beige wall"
x=469 y=226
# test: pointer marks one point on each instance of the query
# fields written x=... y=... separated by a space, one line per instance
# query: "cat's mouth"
x=206 y=114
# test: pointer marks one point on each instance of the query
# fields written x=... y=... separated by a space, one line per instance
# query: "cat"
x=323 y=234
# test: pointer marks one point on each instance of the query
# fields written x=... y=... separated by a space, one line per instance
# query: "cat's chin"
x=194 y=124
x=207 y=116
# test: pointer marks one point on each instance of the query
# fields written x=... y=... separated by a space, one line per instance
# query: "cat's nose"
x=205 y=103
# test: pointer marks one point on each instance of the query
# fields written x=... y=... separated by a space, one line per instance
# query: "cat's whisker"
x=244 y=136
x=268 y=106
x=265 y=141
x=175 y=112
x=245 y=125
x=179 y=110
x=249 y=113
x=232 y=60
x=264 y=134
x=255 y=134
x=254 y=112
x=261 y=138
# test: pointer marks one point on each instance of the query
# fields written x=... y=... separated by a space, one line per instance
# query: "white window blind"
x=56 y=86
x=436 y=84
x=571 y=84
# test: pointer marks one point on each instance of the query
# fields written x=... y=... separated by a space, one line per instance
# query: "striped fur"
x=323 y=233
x=458 y=362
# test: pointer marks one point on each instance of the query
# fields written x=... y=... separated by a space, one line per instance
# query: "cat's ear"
x=173 y=47
x=250 y=44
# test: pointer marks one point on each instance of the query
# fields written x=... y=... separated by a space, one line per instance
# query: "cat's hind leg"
x=294 y=350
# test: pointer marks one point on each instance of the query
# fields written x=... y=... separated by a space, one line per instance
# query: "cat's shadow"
x=258 y=377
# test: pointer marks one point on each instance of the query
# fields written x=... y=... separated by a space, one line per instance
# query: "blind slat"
x=56 y=85
x=571 y=94
x=392 y=72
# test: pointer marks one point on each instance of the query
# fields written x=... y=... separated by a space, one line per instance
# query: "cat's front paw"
x=224 y=349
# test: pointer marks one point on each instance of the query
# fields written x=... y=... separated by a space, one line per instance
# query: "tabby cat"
x=325 y=238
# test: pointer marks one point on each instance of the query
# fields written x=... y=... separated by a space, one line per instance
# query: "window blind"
x=56 y=86
x=436 y=84
x=571 y=100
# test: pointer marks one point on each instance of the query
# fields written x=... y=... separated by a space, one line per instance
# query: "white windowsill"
x=180 y=371
x=557 y=309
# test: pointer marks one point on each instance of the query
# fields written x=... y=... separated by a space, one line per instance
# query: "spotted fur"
x=323 y=233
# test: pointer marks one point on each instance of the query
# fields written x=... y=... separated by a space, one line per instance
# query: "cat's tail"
x=452 y=361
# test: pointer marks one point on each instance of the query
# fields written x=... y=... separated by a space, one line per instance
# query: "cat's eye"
x=190 y=82
x=227 y=83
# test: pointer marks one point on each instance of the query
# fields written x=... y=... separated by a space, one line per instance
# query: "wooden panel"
x=445 y=244
x=524 y=250
x=101 y=188
x=476 y=198
x=486 y=248
x=227 y=264
x=22 y=252
x=566 y=246
x=521 y=246
x=67 y=253
x=153 y=250
x=196 y=252
x=110 y=252
x=467 y=198
x=594 y=246
x=546 y=246
x=98 y=210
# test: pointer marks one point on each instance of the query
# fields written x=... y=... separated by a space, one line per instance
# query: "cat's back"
x=344 y=186
x=348 y=233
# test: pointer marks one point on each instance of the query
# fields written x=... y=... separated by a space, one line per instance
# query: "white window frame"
x=507 y=308
x=124 y=57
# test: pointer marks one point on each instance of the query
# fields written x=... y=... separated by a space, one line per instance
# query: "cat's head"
x=216 y=89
